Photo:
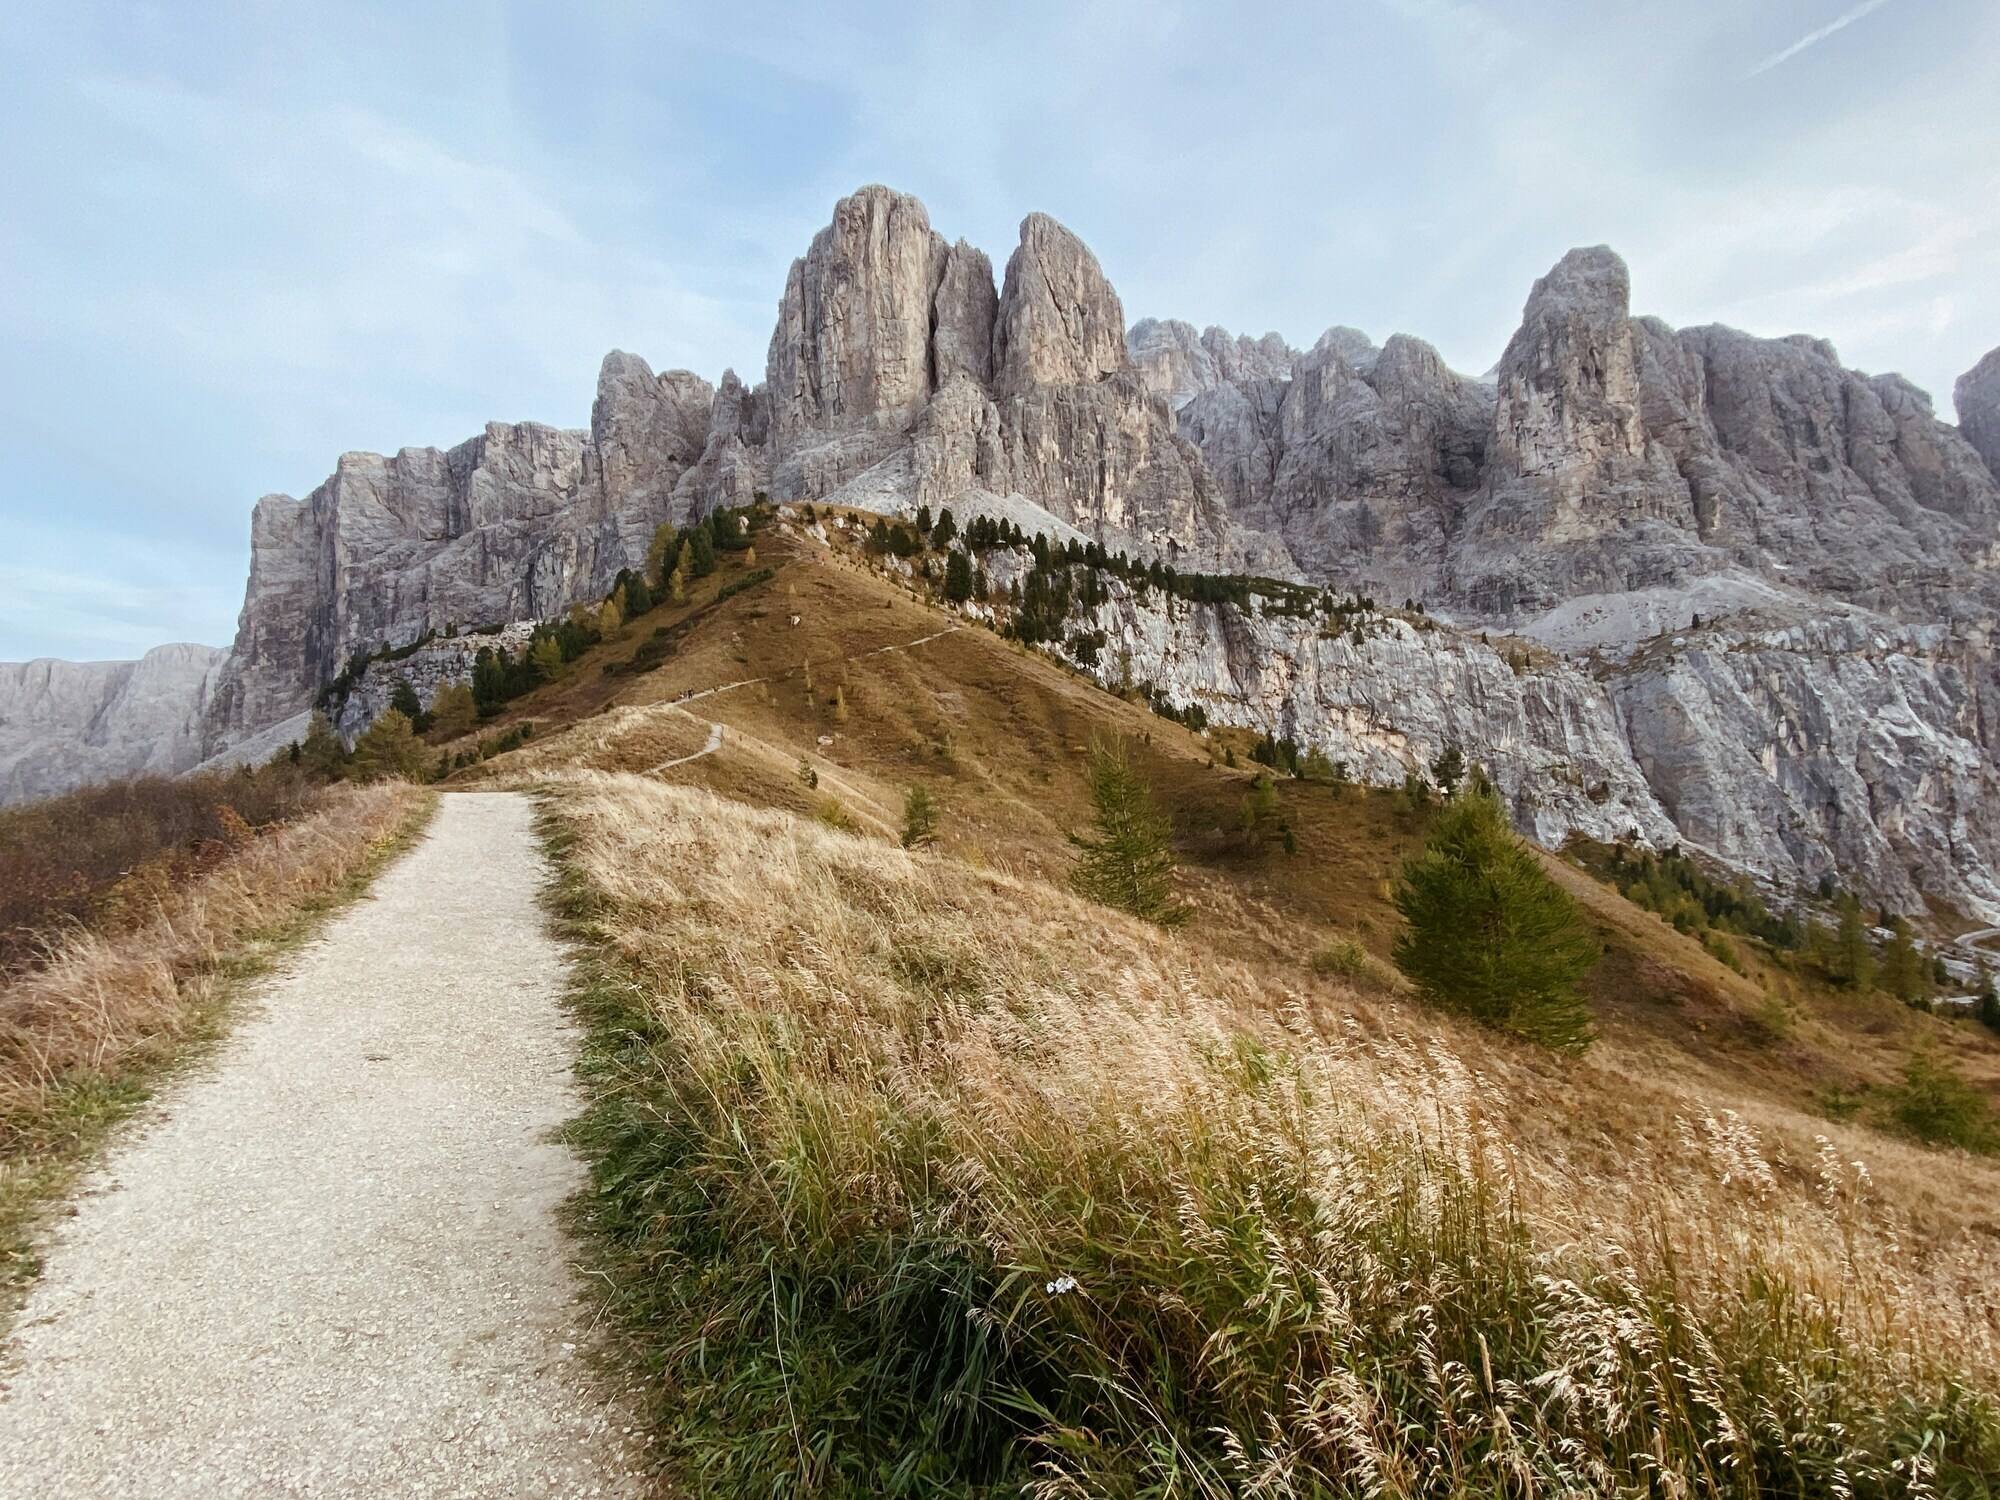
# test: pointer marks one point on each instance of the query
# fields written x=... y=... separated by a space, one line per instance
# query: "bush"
x=390 y=747
x=1490 y=936
x=1936 y=1104
x=91 y=856
x=749 y=580
x=1128 y=863
x=1343 y=959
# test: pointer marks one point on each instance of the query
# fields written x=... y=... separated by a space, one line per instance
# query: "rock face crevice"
x=1761 y=583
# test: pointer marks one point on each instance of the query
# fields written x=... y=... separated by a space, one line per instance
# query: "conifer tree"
x=638 y=597
x=1127 y=863
x=403 y=698
x=1903 y=964
x=1853 y=958
x=1448 y=770
x=957 y=576
x=920 y=817
x=322 y=753
x=661 y=553
x=547 y=659
x=1490 y=936
x=390 y=747
x=452 y=710
x=1263 y=815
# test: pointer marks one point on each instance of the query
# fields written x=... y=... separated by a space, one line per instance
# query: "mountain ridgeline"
x=1711 y=588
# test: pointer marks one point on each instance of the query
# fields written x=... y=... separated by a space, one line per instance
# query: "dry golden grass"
x=877 y=1108
x=617 y=739
x=99 y=999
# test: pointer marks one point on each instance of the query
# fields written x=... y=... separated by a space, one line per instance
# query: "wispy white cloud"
x=1814 y=38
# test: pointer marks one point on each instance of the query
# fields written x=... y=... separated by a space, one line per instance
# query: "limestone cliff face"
x=512 y=524
x=853 y=341
x=1387 y=696
x=1627 y=455
x=1024 y=397
x=1845 y=744
x=1084 y=438
x=65 y=723
x=1361 y=460
x=1977 y=397
x=1177 y=364
x=434 y=665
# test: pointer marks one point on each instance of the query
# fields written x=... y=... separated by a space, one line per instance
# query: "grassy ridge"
x=915 y=1179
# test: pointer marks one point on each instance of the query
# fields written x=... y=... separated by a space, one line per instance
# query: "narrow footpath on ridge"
x=330 y=1262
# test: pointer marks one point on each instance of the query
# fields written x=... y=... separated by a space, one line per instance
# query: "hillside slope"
x=838 y=685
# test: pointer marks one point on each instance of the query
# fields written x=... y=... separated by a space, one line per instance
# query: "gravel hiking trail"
x=330 y=1262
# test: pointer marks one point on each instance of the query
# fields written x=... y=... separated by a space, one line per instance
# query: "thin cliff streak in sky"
x=1812 y=38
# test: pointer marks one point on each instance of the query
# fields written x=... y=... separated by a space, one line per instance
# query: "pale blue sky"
x=236 y=240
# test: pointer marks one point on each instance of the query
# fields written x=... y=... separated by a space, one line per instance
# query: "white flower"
x=1063 y=1283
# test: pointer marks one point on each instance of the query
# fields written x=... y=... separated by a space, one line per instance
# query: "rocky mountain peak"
x=1349 y=345
x=1177 y=364
x=853 y=341
x=1569 y=382
x=1060 y=323
x=964 y=308
x=646 y=428
x=1977 y=396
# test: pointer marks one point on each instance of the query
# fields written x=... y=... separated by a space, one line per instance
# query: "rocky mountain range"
x=1708 y=586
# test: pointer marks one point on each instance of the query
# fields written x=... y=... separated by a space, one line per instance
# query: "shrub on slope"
x=103 y=855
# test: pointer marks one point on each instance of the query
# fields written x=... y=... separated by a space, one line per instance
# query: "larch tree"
x=1490 y=935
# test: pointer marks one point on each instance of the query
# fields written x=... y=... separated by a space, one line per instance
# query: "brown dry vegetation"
x=102 y=856
x=861 y=1109
x=82 y=1032
x=998 y=734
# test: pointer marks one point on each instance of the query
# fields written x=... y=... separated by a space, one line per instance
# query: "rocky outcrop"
x=964 y=310
x=853 y=341
x=647 y=430
x=1843 y=745
x=1177 y=364
x=1084 y=439
x=1360 y=462
x=426 y=669
x=1977 y=397
x=1627 y=455
x=1386 y=696
x=1059 y=323
x=64 y=723
x=389 y=550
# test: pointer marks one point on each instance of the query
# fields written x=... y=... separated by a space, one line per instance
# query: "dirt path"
x=332 y=1265
x=713 y=744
